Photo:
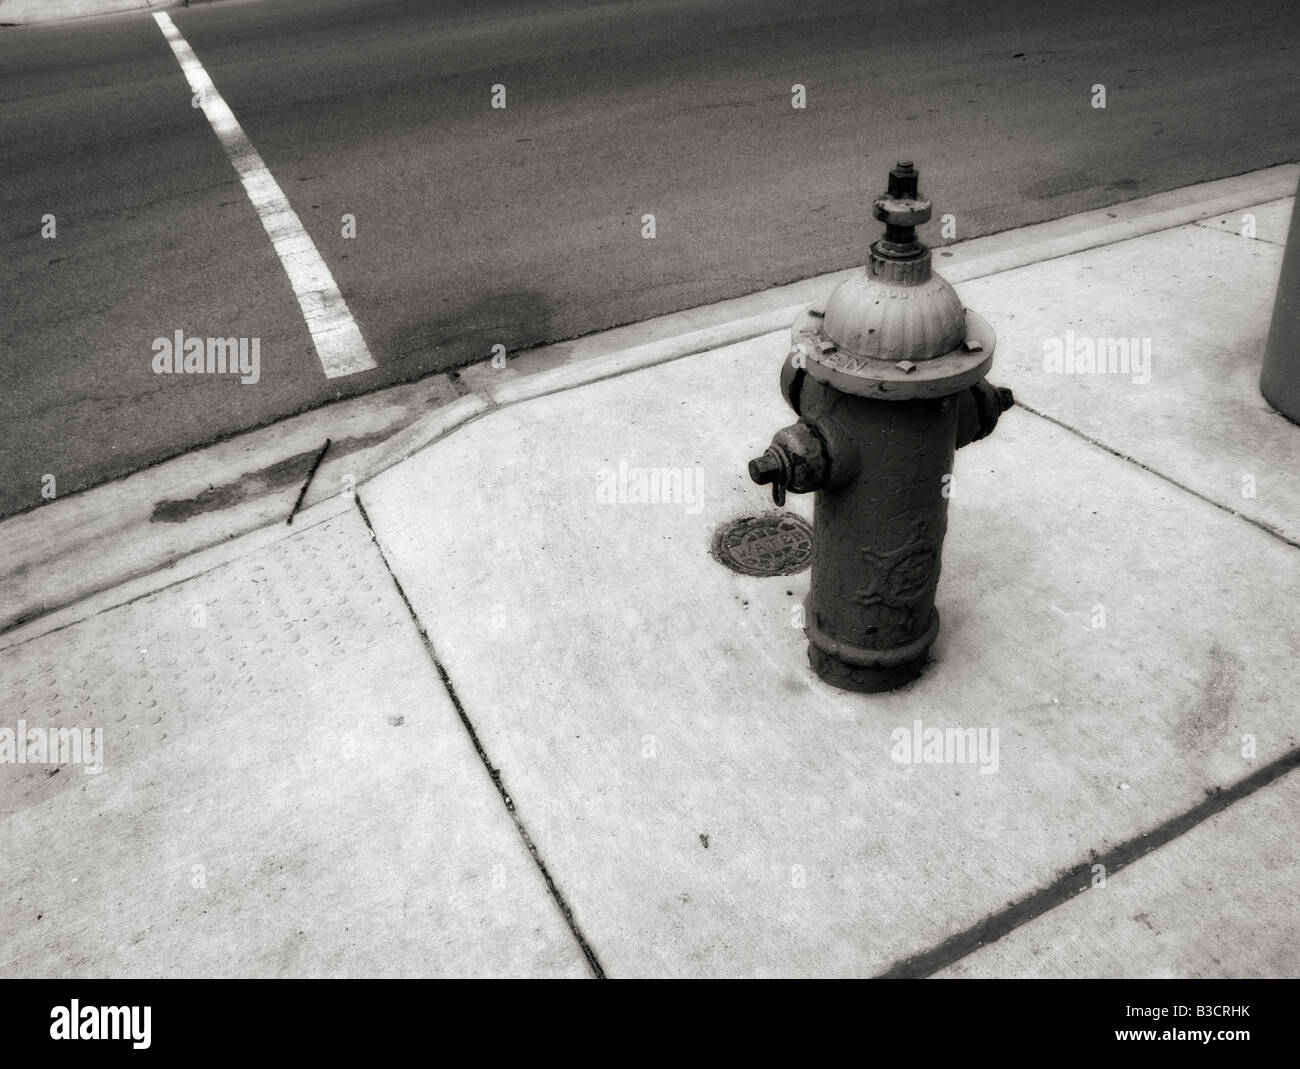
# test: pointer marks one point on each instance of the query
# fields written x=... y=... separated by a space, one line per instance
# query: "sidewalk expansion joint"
x=1266 y=528
x=1079 y=878
x=493 y=772
x=1202 y=224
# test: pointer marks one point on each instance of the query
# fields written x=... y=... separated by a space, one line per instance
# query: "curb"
x=92 y=542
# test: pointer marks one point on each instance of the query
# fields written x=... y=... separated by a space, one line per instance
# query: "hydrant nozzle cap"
x=767 y=468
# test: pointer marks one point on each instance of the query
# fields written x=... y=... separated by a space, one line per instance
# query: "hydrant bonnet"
x=895 y=330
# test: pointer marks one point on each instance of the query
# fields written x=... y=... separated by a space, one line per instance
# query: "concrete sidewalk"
x=485 y=718
x=29 y=12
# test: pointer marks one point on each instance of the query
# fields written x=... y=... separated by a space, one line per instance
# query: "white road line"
x=339 y=344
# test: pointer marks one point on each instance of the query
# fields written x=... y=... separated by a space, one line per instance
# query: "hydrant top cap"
x=876 y=317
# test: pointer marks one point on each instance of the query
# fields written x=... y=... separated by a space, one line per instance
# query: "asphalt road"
x=478 y=226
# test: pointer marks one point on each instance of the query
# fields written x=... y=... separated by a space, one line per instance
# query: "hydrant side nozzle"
x=978 y=409
x=796 y=461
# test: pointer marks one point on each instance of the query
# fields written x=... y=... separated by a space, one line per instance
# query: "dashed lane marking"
x=339 y=344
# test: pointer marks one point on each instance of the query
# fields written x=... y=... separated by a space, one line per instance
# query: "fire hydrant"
x=887 y=378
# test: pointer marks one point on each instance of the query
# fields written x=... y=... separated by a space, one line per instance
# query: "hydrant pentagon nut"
x=887 y=378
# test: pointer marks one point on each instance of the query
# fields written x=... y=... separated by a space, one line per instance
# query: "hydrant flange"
x=892 y=380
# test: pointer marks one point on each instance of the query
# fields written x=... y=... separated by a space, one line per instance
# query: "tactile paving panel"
x=286 y=789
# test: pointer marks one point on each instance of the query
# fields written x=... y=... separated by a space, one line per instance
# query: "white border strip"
x=339 y=344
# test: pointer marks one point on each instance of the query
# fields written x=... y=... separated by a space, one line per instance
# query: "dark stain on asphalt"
x=705 y=840
x=516 y=319
x=287 y=472
x=1061 y=184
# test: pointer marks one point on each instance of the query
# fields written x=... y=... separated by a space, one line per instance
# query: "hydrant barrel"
x=870 y=613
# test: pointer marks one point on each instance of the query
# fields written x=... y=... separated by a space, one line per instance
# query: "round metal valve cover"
x=776 y=543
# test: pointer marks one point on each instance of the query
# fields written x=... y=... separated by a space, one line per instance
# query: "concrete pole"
x=1279 y=382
